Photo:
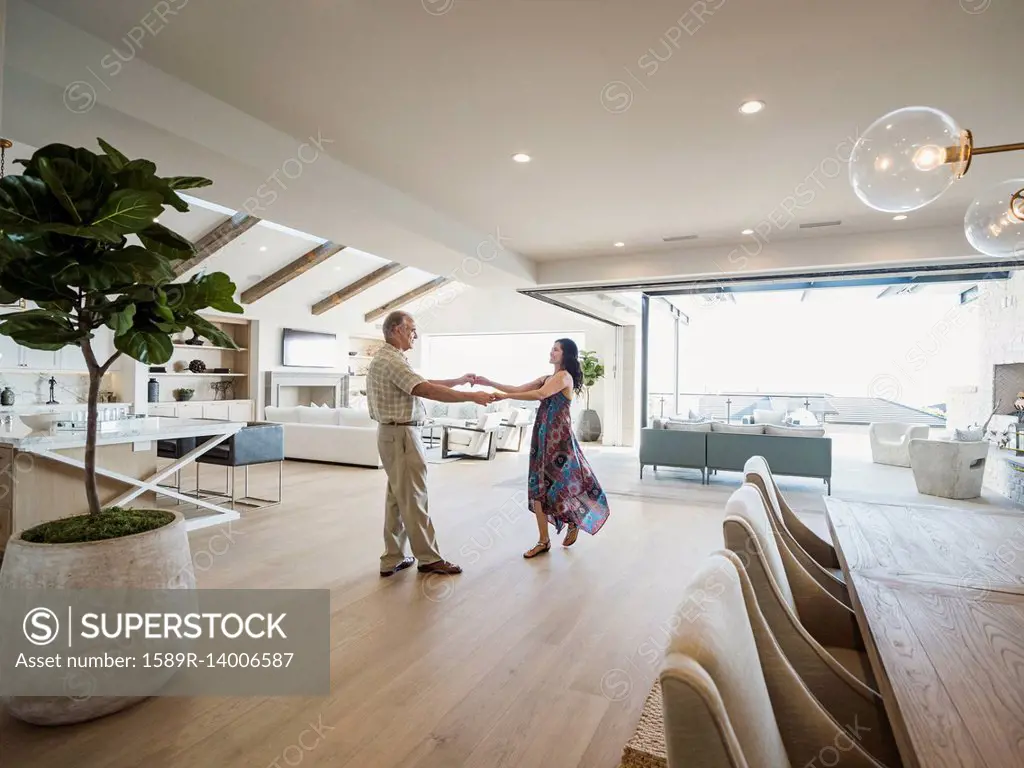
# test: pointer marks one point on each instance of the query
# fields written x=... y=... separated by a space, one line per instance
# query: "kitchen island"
x=41 y=473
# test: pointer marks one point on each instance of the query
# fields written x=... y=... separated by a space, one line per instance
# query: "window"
x=511 y=358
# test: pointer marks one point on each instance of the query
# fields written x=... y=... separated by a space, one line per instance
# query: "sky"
x=845 y=342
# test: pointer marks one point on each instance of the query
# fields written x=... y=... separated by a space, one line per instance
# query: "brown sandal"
x=570 y=535
x=537 y=549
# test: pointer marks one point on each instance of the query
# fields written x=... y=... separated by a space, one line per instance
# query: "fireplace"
x=1007 y=381
x=290 y=388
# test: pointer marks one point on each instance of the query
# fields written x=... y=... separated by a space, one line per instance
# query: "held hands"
x=481 y=398
x=485 y=398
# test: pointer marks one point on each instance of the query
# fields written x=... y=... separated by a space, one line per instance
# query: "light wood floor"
x=514 y=663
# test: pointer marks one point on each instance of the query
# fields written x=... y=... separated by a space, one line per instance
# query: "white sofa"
x=336 y=435
x=948 y=468
x=890 y=442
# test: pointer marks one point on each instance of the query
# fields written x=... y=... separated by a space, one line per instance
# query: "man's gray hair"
x=393 y=320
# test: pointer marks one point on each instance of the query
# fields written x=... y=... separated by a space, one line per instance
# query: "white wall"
x=475 y=310
x=1000 y=309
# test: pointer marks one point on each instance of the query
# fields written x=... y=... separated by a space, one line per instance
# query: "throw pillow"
x=969 y=435
x=775 y=429
x=689 y=426
x=439 y=409
x=737 y=429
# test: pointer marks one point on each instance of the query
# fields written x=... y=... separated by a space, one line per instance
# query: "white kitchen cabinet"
x=190 y=410
x=10 y=353
x=241 y=410
x=216 y=411
x=71 y=359
x=227 y=410
x=39 y=359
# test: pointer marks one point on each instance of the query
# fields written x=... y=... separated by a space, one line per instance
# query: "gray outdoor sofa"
x=712 y=451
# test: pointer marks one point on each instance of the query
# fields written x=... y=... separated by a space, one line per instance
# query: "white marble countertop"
x=151 y=428
x=59 y=408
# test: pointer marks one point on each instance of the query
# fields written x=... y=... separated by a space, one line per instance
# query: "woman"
x=562 y=487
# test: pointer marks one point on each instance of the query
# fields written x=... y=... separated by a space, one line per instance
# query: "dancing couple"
x=563 y=490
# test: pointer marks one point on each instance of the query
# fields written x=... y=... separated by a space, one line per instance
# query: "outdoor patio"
x=854 y=477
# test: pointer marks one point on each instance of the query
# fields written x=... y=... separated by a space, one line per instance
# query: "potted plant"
x=184 y=394
x=65 y=225
x=593 y=372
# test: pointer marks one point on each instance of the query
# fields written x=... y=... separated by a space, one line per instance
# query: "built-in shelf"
x=191 y=375
x=208 y=346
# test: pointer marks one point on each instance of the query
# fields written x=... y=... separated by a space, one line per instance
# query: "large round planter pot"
x=590 y=426
x=157 y=559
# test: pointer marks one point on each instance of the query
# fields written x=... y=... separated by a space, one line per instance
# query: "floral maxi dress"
x=560 y=475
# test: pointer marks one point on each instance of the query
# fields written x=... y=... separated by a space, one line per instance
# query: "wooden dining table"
x=939 y=595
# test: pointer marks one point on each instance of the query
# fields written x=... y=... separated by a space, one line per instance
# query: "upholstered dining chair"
x=732 y=700
x=790 y=598
x=814 y=554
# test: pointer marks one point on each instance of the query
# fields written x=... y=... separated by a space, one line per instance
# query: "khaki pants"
x=405 y=506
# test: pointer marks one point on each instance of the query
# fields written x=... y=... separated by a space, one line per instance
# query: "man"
x=393 y=392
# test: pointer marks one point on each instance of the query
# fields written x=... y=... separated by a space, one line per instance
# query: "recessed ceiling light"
x=751 y=107
x=619 y=245
x=263 y=247
x=747 y=232
x=899 y=217
x=521 y=157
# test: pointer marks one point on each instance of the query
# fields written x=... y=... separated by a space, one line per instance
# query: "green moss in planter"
x=112 y=523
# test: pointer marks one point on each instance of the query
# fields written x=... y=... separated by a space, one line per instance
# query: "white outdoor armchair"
x=949 y=469
x=890 y=442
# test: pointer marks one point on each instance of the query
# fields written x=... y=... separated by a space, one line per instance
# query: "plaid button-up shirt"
x=389 y=384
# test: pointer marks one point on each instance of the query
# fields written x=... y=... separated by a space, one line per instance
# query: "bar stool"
x=258 y=442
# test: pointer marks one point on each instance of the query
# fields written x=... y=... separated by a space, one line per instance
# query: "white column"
x=3 y=39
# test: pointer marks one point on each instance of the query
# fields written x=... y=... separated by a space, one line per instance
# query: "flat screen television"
x=308 y=349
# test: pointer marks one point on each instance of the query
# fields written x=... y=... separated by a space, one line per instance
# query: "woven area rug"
x=647 y=747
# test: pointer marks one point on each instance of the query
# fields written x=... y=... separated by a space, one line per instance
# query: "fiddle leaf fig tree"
x=593 y=371
x=79 y=238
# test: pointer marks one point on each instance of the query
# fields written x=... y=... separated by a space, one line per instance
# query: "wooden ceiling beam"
x=215 y=239
x=353 y=289
x=285 y=274
x=407 y=298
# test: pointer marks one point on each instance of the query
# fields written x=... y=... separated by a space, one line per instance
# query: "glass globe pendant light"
x=994 y=223
x=908 y=158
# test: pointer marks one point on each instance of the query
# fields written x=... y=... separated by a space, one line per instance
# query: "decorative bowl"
x=39 y=422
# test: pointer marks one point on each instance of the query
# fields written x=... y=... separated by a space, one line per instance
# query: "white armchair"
x=478 y=441
x=890 y=442
x=513 y=428
x=947 y=468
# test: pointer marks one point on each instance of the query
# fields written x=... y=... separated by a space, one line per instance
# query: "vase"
x=153 y=391
x=590 y=426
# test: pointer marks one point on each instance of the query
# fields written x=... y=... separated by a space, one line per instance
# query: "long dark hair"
x=571 y=362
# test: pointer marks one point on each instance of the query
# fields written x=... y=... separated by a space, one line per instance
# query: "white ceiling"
x=267 y=247
x=433 y=97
